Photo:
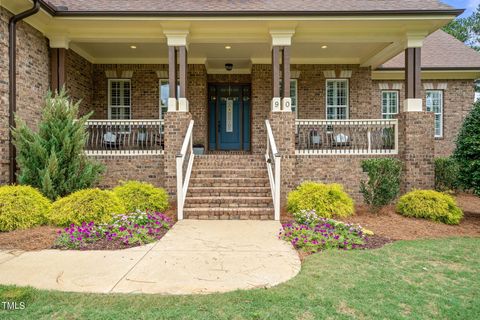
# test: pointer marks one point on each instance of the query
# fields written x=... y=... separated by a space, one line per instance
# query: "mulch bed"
x=31 y=239
x=40 y=238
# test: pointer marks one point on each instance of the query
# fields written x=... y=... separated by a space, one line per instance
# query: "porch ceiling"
x=215 y=55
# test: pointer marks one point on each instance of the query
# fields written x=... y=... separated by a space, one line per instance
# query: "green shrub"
x=142 y=196
x=326 y=199
x=53 y=159
x=22 y=207
x=446 y=174
x=430 y=204
x=468 y=150
x=383 y=183
x=86 y=205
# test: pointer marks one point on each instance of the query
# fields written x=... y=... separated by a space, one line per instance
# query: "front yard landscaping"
x=424 y=279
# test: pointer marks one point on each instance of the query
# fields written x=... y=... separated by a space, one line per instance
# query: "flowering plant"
x=325 y=234
x=135 y=228
x=306 y=217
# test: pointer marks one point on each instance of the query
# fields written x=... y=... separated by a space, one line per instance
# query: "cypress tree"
x=53 y=159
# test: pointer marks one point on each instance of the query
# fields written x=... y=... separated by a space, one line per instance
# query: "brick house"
x=276 y=92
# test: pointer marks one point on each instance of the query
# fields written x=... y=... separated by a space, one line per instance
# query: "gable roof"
x=249 y=6
x=441 y=51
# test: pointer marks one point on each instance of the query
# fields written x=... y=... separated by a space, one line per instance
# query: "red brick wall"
x=147 y=168
x=79 y=78
x=33 y=67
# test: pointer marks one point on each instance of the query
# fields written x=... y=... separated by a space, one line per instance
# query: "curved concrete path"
x=194 y=257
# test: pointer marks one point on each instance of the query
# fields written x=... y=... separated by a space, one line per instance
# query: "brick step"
x=229 y=182
x=229 y=213
x=229 y=173
x=229 y=191
x=228 y=202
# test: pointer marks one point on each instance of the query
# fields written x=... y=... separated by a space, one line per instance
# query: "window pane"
x=434 y=103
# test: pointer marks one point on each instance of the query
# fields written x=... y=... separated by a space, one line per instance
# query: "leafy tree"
x=53 y=159
x=466 y=29
x=467 y=151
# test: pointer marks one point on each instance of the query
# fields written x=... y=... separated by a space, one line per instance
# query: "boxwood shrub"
x=383 y=184
x=22 y=207
x=327 y=200
x=142 y=196
x=430 y=204
x=86 y=205
x=447 y=172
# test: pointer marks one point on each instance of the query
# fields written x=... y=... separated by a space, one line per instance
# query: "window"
x=435 y=105
x=293 y=94
x=337 y=99
x=119 y=99
x=389 y=104
x=164 y=94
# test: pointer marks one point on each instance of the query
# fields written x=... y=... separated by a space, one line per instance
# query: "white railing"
x=359 y=137
x=124 y=137
x=184 y=169
x=273 y=166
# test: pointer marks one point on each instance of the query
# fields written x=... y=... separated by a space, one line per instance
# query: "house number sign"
x=229 y=120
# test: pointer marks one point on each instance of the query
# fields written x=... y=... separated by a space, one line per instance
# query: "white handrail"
x=182 y=185
x=273 y=174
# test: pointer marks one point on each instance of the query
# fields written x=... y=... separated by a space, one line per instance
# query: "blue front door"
x=229 y=118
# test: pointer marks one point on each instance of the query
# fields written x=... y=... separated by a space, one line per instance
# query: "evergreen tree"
x=53 y=159
x=467 y=152
x=466 y=29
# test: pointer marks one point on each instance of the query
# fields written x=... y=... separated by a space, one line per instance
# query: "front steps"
x=229 y=186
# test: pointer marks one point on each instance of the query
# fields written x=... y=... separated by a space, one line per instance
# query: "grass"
x=427 y=279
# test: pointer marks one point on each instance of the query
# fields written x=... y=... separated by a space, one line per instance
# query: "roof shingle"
x=190 y=6
x=441 y=50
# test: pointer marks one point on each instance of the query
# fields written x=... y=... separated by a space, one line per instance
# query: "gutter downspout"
x=12 y=81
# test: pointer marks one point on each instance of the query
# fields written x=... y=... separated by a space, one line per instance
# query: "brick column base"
x=175 y=127
x=416 y=150
x=283 y=128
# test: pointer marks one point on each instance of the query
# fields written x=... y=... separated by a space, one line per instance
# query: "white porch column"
x=177 y=41
x=281 y=42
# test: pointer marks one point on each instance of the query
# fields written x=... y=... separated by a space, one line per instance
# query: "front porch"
x=288 y=103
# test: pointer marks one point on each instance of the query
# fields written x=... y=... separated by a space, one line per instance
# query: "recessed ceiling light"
x=228 y=47
x=133 y=47
x=324 y=47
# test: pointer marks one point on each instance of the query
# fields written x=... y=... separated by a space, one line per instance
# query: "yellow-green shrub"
x=84 y=206
x=429 y=204
x=22 y=207
x=326 y=199
x=143 y=196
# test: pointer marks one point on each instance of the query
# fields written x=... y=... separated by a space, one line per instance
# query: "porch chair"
x=110 y=140
x=341 y=140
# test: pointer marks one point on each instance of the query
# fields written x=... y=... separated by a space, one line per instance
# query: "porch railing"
x=347 y=136
x=184 y=169
x=124 y=137
x=273 y=167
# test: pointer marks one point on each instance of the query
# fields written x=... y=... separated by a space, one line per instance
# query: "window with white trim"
x=164 y=93
x=119 y=99
x=293 y=94
x=389 y=104
x=434 y=103
x=337 y=99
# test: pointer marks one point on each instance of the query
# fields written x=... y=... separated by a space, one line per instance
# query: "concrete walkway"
x=194 y=257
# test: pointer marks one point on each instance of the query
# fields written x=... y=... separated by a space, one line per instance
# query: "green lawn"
x=429 y=279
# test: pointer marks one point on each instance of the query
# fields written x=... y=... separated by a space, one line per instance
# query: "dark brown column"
x=413 y=69
x=57 y=67
x=182 y=53
x=172 y=72
x=275 y=72
x=286 y=72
